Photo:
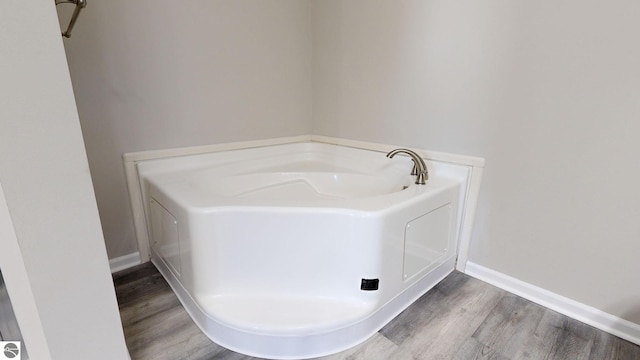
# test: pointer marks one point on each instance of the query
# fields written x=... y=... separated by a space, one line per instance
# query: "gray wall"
x=161 y=74
x=546 y=91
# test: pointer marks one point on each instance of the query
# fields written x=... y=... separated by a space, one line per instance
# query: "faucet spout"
x=419 y=166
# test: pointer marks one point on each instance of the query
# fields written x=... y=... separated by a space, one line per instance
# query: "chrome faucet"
x=419 y=167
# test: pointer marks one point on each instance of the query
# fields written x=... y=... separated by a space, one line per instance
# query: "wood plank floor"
x=461 y=318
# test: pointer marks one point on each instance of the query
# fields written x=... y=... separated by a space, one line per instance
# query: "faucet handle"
x=419 y=167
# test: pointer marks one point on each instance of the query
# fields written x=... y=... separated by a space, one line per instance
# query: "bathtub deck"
x=461 y=318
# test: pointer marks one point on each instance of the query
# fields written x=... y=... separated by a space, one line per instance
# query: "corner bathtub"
x=299 y=250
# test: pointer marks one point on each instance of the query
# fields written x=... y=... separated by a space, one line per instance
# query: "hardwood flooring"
x=461 y=318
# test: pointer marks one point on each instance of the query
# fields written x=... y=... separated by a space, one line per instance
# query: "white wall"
x=47 y=192
x=546 y=91
x=18 y=286
x=163 y=74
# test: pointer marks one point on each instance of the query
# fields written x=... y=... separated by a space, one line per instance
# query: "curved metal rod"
x=80 y=4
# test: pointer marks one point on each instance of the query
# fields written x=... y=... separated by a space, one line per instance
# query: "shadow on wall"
x=630 y=318
x=632 y=314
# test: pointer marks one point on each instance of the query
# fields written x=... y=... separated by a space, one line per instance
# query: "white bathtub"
x=299 y=250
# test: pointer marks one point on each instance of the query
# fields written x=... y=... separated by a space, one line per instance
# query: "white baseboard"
x=589 y=315
x=124 y=262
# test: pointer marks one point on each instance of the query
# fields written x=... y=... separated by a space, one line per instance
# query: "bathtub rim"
x=474 y=164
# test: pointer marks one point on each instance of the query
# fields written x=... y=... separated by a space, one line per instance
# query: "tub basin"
x=274 y=251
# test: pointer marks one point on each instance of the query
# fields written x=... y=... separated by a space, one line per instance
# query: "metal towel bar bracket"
x=80 y=4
